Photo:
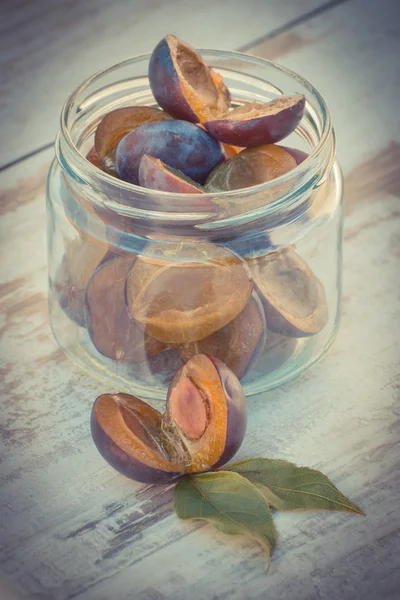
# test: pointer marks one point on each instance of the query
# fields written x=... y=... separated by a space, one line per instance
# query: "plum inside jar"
x=199 y=249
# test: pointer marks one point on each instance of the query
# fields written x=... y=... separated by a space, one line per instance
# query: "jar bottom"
x=302 y=356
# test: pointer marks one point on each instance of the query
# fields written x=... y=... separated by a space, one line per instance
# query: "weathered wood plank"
x=72 y=528
x=47 y=48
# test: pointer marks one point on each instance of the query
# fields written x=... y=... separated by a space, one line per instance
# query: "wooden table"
x=71 y=527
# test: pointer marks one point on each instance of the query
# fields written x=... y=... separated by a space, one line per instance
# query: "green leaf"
x=230 y=503
x=289 y=487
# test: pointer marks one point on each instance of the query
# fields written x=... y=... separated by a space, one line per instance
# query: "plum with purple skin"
x=116 y=124
x=180 y=144
x=255 y=124
x=157 y=175
x=111 y=329
x=250 y=167
x=293 y=297
x=184 y=85
x=128 y=434
x=207 y=410
x=238 y=343
x=202 y=428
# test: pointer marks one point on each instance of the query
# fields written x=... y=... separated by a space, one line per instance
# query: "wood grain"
x=47 y=48
x=73 y=528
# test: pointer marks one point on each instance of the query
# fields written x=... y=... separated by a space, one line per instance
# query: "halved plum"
x=255 y=124
x=116 y=125
x=237 y=344
x=203 y=426
x=180 y=144
x=128 y=434
x=250 y=167
x=206 y=412
x=157 y=175
x=186 y=294
x=80 y=260
x=293 y=297
x=184 y=85
x=113 y=332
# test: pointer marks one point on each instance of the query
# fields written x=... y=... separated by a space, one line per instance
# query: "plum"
x=79 y=262
x=278 y=350
x=93 y=158
x=202 y=428
x=184 y=85
x=111 y=329
x=157 y=175
x=207 y=412
x=181 y=145
x=298 y=155
x=128 y=434
x=255 y=124
x=116 y=125
x=185 y=295
x=293 y=297
x=250 y=167
x=237 y=344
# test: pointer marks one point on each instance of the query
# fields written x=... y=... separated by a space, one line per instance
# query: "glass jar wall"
x=140 y=281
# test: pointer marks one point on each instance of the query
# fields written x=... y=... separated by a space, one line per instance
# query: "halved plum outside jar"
x=112 y=331
x=179 y=302
x=202 y=428
x=127 y=432
x=215 y=430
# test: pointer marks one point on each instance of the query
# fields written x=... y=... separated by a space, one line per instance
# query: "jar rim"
x=94 y=173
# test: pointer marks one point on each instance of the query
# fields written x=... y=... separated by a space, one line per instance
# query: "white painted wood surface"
x=73 y=528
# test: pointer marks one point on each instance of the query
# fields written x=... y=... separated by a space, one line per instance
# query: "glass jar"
x=140 y=280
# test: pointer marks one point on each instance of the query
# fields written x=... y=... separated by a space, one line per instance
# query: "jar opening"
x=249 y=79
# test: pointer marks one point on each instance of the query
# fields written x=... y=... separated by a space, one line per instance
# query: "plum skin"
x=167 y=91
x=237 y=412
x=157 y=175
x=257 y=131
x=124 y=463
x=166 y=85
x=180 y=144
x=228 y=393
x=236 y=407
